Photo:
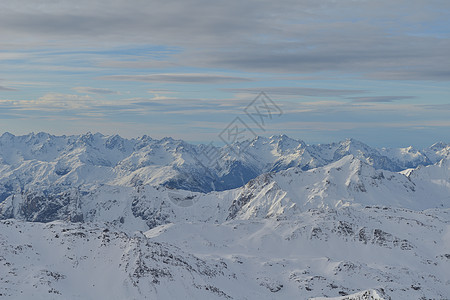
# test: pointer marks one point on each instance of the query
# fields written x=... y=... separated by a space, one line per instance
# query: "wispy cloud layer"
x=178 y=78
x=380 y=98
x=382 y=39
x=324 y=61
x=7 y=89
x=298 y=91
x=91 y=90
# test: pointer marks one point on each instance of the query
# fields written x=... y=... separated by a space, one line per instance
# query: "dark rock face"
x=153 y=216
x=46 y=206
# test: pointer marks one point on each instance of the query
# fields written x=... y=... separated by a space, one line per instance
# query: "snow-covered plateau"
x=104 y=217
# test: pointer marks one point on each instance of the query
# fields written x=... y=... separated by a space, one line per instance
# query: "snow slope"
x=392 y=253
x=93 y=216
x=347 y=182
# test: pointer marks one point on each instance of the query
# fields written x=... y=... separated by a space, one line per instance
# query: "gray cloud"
x=380 y=98
x=298 y=91
x=7 y=89
x=400 y=58
x=178 y=78
x=441 y=72
x=387 y=39
x=91 y=90
x=439 y=107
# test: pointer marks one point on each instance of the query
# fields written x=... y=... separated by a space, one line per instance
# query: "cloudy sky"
x=378 y=71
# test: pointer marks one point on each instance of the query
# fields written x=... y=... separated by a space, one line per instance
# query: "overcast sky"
x=377 y=71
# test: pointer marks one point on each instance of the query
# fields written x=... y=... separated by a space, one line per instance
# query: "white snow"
x=89 y=217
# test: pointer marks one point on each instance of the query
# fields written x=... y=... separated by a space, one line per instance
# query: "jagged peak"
x=276 y=153
x=438 y=145
x=7 y=134
x=283 y=141
x=281 y=137
x=278 y=136
x=259 y=139
x=353 y=142
x=145 y=138
x=42 y=134
x=167 y=139
x=114 y=136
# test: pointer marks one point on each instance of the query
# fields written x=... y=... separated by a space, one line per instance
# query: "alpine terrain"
x=103 y=217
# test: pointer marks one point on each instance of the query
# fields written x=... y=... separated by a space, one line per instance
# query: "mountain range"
x=93 y=216
x=46 y=160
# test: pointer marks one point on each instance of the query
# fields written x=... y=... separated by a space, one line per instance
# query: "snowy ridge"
x=46 y=160
x=323 y=253
x=68 y=261
x=283 y=194
x=347 y=182
x=93 y=216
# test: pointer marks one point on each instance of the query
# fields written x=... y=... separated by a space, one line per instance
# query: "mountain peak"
x=353 y=141
x=439 y=145
x=279 y=137
x=284 y=142
x=44 y=159
x=7 y=135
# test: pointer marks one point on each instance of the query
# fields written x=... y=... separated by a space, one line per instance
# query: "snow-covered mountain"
x=59 y=161
x=358 y=252
x=347 y=182
x=93 y=216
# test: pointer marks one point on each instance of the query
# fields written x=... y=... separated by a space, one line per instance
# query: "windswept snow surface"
x=102 y=217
